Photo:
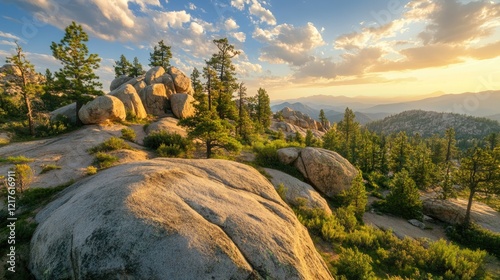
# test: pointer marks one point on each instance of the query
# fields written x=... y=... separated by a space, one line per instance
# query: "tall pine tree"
x=160 y=56
x=136 y=68
x=122 y=66
x=76 y=79
x=224 y=85
x=348 y=129
x=25 y=82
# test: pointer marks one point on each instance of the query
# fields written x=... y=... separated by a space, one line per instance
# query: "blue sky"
x=292 y=48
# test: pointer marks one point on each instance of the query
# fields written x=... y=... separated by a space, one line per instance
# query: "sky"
x=292 y=48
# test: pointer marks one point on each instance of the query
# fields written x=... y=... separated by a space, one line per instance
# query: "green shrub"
x=347 y=218
x=476 y=237
x=60 y=125
x=128 y=134
x=266 y=155
x=325 y=225
x=16 y=160
x=354 y=265
x=24 y=176
x=157 y=138
x=49 y=167
x=33 y=197
x=91 y=170
x=104 y=160
x=281 y=190
x=404 y=198
x=170 y=150
x=112 y=144
x=452 y=262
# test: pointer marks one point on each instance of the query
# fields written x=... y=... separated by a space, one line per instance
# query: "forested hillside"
x=427 y=123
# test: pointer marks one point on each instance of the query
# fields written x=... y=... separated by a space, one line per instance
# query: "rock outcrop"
x=181 y=81
x=452 y=211
x=130 y=99
x=168 y=82
x=182 y=105
x=444 y=210
x=68 y=111
x=153 y=74
x=154 y=98
x=167 y=124
x=288 y=155
x=173 y=219
x=118 y=81
x=290 y=130
x=327 y=171
x=102 y=109
x=69 y=151
x=300 y=119
x=296 y=190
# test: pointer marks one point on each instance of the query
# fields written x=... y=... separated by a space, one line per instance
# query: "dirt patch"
x=401 y=227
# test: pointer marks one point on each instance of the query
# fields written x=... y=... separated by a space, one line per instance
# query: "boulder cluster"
x=301 y=120
x=291 y=122
x=155 y=93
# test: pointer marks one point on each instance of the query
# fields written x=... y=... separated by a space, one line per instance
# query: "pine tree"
x=136 y=68
x=310 y=141
x=244 y=129
x=479 y=172
x=211 y=130
x=122 y=66
x=206 y=125
x=323 y=120
x=451 y=150
x=195 y=81
x=51 y=101
x=212 y=85
x=399 y=152
x=331 y=139
x=298 y=138
x=225 y=83
x=404 y=198
x=25 y=82
x=356 y=196
x=422 y=169
x=263 y=111
x=348 y=129
x=160 y=56
x=77 y=78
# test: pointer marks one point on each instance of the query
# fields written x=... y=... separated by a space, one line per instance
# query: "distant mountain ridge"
x=428 y=123
x=481 y=104
x=297 y=106
x=475 y=104
x=332 y=115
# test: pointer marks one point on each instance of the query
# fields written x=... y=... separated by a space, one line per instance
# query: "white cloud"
x=246 y=68
x=196 y=28
x=8 y=43
x=116 y=11
x=239 y=4
x=256 y=9
x=9 y=36
x=240 y=36
x=262 y=13
x=230 y=24
x=289 y=44
x=192 y=6
x=174 y=19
